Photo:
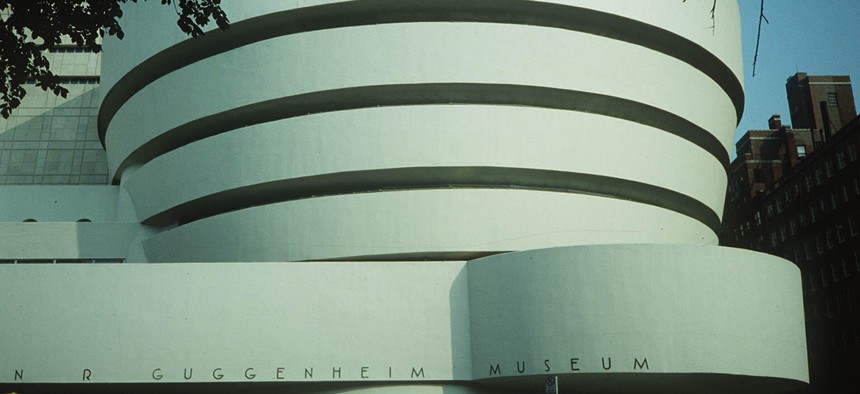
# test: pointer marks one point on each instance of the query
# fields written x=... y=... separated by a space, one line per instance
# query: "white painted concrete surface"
x=327 y=195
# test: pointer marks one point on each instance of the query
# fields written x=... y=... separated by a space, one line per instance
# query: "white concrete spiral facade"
x=337 y=185
x=457 y=97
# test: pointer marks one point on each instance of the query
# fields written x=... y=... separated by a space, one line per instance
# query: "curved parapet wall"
x=627 y=20
x=718 y=319
x=610 y=318
x=350 y=108
x=439 y=224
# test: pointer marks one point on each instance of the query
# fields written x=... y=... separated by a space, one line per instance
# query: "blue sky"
x=819 y=37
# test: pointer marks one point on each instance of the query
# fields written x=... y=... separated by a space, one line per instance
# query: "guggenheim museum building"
x=404 y=196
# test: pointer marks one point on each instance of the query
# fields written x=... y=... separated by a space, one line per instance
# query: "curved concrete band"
x=651 y=317
x=423 y=53
x=595 y=309
x=419 y=225
x=663 y=27
x=346 y=146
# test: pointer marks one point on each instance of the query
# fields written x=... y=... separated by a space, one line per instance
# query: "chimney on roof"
x=774 y=122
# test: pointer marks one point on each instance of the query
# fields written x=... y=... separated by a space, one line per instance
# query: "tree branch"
x=758 y=36
x=29 y=27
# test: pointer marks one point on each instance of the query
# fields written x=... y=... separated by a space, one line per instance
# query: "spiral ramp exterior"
x=338 y=187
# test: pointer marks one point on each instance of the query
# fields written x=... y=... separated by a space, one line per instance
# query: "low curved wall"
x=651 y=317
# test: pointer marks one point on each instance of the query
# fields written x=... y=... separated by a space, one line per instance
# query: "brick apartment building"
x=825 y=102
x=795 y=193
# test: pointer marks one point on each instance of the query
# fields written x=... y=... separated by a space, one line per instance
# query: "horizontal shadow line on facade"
x=416 y=178
x=423 y=94
x=371 y=12
x=452 y=255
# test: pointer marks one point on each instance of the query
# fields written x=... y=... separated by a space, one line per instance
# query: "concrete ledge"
x=61 y=241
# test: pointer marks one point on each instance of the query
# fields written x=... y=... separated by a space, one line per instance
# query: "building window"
x=828 y=168
x=83 y=80
x=773 y=239
x=846 y=268
x=840 y=232
x=840 y=160
x=801 y=151
x=808 y=182
x=853 y=226
x=832 y=100
x=819 y=244
x=852 y=152
x=69 y=49
x=835 y=272
x=792 y=227
x=782 y=235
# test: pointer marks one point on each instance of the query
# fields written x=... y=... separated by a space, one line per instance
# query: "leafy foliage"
x=28 y=27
